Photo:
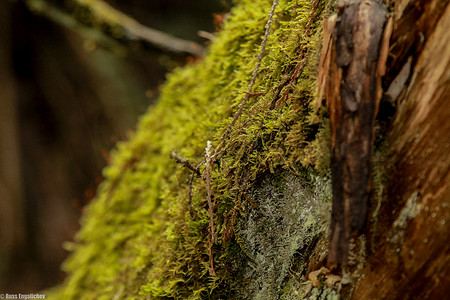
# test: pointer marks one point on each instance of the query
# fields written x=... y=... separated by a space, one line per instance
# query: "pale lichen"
x=411 y=209
x=278 y=228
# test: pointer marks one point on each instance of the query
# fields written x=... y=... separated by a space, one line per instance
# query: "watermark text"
x=22 y=296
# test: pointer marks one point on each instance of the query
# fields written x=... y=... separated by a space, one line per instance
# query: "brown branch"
x=190 y=207
x=122 y=29
x=207 y=177
x=298 y=70
x=184 y=161
x=212 y=272
x=255 y=72
x=247 y=95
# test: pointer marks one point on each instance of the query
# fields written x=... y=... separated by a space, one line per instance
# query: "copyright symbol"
x=2 y=296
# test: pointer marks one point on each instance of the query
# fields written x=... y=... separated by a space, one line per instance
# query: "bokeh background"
x=64 y=103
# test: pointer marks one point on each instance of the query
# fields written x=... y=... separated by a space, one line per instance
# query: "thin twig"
x=102 y=13
x=206 y=35
x=190 y=206
x=184 y=161
x=249 y=93
x=207 y=177
x=211 y=259
x=65 y=19
x=298 y=70
x=195 y=171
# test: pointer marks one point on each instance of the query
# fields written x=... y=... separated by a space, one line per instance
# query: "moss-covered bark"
x=142 y=238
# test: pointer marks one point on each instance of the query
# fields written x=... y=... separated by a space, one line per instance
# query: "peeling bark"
x=353 y=98
x=412 y=247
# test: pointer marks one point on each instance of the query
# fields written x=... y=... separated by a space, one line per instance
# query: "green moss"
x=139 y=239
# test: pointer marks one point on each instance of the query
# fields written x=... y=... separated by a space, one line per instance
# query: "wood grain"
x=352 y=99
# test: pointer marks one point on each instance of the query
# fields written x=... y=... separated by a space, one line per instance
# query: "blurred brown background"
x=64 y=103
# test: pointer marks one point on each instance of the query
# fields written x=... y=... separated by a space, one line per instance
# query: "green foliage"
x=140 y=239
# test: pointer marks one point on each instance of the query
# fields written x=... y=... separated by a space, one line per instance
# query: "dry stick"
x=195 y=171
x=106 y=14
x=249 y=93
x=212 y=235
x=184 y=161
x=298 y=70
x=190 y=207
x=136 y=31
x=207 y=177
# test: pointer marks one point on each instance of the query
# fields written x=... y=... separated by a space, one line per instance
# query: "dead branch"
x=124 y=30
x=298 y=70
x=255 y=72
x=184 y=161
x=207 y=177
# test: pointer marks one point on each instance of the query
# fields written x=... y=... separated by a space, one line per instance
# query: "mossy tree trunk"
x=146 y=235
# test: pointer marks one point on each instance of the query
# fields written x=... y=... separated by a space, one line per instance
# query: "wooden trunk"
x=409 y=227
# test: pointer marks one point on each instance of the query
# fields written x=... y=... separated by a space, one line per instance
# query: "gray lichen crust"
x=285 y=214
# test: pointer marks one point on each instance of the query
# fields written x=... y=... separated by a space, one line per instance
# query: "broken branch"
x=255 y=72
x=212 y=230
x=121 y=28
x=184 y=161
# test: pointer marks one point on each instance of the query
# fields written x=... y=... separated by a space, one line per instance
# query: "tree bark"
x=352 y=99
x=412 y=249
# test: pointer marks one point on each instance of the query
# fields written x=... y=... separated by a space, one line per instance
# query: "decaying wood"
x=325 y=57
x=352 y=99
x=414 y=21
x=412 y=255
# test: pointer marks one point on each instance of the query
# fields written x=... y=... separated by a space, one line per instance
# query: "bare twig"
x=298 y=70
x=211 y=260
x=63 y=18
x=249 y=93
x=163 y=40
x=125 y=29
x=206 y=35
x=184 y=161
x=134 y=30
x=190 y=207
x=207 y=177
x=195 y=171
